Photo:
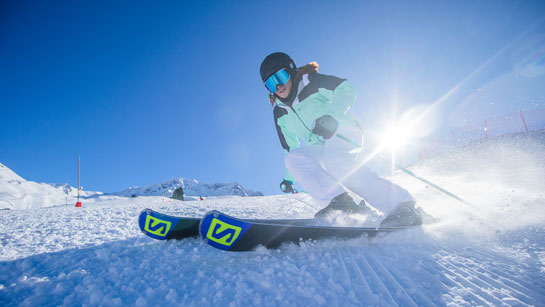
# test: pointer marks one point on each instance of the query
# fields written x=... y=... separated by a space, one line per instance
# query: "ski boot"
x=342 y=202
x=406 y=215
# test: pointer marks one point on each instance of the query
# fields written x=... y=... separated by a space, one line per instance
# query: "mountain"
x=191 y=187
x=72 y=191
x=19 y=193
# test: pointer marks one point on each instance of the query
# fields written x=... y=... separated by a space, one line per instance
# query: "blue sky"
x=147 y=92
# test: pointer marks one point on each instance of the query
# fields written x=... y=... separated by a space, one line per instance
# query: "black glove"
x=325 y=126
x=286 y=186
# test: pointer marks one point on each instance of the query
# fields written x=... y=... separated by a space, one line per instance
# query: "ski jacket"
x=316 y=95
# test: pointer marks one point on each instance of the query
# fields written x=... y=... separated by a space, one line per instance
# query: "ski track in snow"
x=96 y=255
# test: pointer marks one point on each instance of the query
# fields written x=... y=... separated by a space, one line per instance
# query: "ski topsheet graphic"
x=228 y=233
x=222 y=231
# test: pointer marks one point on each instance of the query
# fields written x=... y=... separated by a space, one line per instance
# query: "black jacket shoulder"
x=317 y=81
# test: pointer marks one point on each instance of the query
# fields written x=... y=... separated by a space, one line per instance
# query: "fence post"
x=523 y=120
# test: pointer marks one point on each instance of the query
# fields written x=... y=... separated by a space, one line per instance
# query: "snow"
x=490 y=254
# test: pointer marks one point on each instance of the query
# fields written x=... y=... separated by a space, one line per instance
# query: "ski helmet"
x=276 y=61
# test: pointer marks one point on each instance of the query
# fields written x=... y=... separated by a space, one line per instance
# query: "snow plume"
x=502 y=178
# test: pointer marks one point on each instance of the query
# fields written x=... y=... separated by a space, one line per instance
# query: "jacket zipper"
x=300 y=119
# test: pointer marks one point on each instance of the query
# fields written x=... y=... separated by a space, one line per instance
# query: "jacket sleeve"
x=340 y=92
x=344 y=97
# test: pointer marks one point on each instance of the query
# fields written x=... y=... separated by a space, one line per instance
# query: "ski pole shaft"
x=406 y=171
x=410 y=173
x=344 y=138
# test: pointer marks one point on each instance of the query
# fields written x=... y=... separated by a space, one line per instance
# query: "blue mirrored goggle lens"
x=280 y=77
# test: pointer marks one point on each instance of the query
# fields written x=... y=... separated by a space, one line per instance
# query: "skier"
x=314 y=108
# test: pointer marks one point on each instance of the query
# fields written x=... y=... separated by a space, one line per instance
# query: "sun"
x=396 y=136
x=412 y=126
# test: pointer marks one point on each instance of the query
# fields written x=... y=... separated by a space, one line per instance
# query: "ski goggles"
x=280 y=77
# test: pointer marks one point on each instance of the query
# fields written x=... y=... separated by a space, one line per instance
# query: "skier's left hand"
x=286 y=186
x=325 y=126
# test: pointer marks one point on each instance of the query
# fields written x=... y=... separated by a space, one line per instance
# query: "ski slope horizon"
x=491 y=252
x=18 y=193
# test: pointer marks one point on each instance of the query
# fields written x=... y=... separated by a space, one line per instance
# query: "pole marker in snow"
x=78 y=203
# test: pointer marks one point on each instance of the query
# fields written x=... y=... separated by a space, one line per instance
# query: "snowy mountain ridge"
x=191 y=187
x=72 y=191
x=19 y=193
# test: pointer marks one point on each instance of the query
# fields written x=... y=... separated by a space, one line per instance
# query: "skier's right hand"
x=286 y=186
x=325 y=126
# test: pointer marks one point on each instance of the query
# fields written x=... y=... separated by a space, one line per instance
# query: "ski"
x=165 y=227
x=231 y=234
x=162 y=226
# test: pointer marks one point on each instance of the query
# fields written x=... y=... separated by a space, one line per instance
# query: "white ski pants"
x=328 y=170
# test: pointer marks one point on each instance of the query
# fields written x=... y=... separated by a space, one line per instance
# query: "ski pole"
x=406 y=171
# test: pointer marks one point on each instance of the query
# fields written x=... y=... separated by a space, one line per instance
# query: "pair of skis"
x=231 y=234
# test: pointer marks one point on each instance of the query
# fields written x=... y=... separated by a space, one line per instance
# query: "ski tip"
x=221 y=230
x=156 y=225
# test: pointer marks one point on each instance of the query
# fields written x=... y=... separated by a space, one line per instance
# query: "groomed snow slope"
x=493 y=254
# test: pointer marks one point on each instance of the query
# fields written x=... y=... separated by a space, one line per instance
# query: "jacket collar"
x=297 y=87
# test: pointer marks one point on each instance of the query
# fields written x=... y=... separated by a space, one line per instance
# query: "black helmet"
x=276 y=61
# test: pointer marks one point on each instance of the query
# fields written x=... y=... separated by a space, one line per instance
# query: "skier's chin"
x=282 y=93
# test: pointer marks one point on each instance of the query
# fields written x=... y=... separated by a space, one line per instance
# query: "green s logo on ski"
x=222 y=233
x=157 y=226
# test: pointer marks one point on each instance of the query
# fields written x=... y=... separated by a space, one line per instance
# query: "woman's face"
x=283 y=91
